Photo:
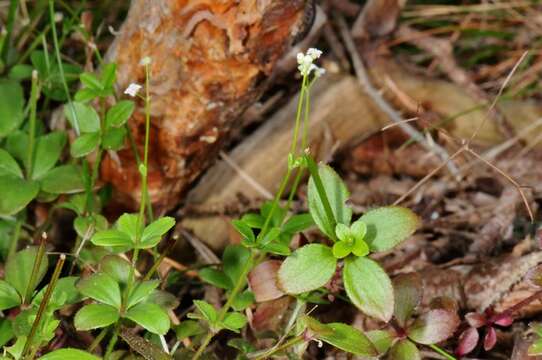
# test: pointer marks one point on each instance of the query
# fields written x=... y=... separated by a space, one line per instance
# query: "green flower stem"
x=441 y=352
x=112 y=341
x=35 y=270
x=98 y=161
x=292 y=342
x=12 y=14
x=34 y=93
x=41 y=309
x=133 y=146
x=224 y=310
x=293 y=149
x=313 y=168
x=15 y=238
x=98 y=339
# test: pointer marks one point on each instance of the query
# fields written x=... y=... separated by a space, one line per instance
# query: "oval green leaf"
x=101 y=287
x=8 y=165
x=368 y=287
x=95 y=316
x=151 y=317
x=405 y=350
x=118 y=114
x=388 y=226
x=69 y=354
x=19 y=269
x=8 y=296
x=11 y=106
x=85 y=144
x=87 y=117
x=307 y=269
x=48 y=150
x=64 y=179
x=16 y=194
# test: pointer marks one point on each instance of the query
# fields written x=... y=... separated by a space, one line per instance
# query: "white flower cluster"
x=132 y=89
x=306 y=63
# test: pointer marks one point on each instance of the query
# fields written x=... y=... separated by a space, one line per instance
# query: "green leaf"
x=433 y=327
x=255 y=221
x=360 y=248
x=242 y=345
x=342 y=336
x=381 y=339
x=48 y=150
x=368 y=287
x=342 y=249
x=235 y=260
x=11 y=106
x=20 y=72
x=90 y=81
x=8 y=165
x=307 y=269
x=216 y=278
x=101 y=287
x=114 y=138
x=358 y=229
x=207 y=310
x=388 y=226
x=245 y=231
x=85 y=144
x=154 y=231
x=94 y=316
x=535 y=348
x=116 y=267
x=337 y=194
x=111 y=237
x=119 y=113
x=8 y=296
x=405 y=350
x=188 y=328
x=19 y=269
x=64 y=293
x=270 y=235
x=64 y=179
x=243 y=300
x=140 y=291
x=17 y=193
x=298 y=223
x=408 y=294
x=151 y=317
x=6 y=331
x=86 y=226
x=69 y=354
x=234 y=321
x=88 y=118
x=109 y=75
x=84 y=95
x=128 y=224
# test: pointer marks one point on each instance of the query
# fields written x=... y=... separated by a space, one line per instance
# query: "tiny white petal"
x=300 y=58
x=145 y=61
x=319 y=71
x=314 y=53
x=132 y=89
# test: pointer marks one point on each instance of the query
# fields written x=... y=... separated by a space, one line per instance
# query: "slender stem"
x=98 y=339
x=35 y=269
x=133 y=146
x=292 y=342
x=112 y=342
x=32 y=124
x=41 y=309
x=441 y=352
x=162 y=256
x=15 y=239
x=12 y=14
x=224 y=310
x=60 y=68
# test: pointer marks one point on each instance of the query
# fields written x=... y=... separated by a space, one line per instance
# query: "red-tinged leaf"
x=505 y=320
x=263 y=281
x=490 y=339
x=408 y=294
x=475 y=320
x=433 y=327
x=404 y=350
x=467 y=341
x=269 y=315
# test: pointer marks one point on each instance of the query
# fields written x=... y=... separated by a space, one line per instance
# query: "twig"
x=363 y=78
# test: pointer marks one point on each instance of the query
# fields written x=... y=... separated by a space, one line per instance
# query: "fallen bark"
x=210 y=60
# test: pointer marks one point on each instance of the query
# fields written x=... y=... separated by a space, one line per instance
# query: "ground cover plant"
x=309 y=272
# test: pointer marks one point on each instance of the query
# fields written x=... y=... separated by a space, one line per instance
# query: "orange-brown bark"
x=210 y=59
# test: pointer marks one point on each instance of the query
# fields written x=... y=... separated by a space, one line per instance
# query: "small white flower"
x=305 y=61
x=319 y=72
x=314 y=53
x=58 y=17
x=145 y=61
x=132 y=89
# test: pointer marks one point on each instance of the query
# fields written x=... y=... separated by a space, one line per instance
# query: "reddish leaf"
x=269 y=315
x=263 y=281
x=408 y=294
x=490 y=339
x=505 y=320
x=433 y=327
x=467 y=341
x=475 y=320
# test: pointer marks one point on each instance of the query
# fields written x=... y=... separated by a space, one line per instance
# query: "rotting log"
x=210 y=61
x=342 y=110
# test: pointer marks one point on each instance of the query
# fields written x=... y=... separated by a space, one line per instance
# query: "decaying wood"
x=210 y=60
